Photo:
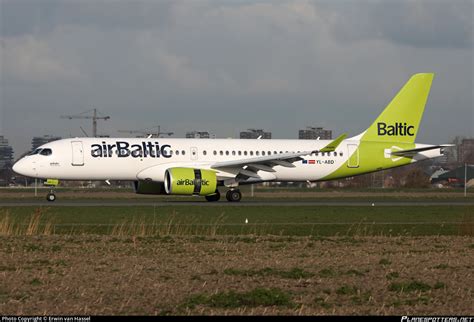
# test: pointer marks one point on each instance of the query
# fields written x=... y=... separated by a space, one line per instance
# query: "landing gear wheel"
x=233 y=195
x=51 y=197
x=214 y=197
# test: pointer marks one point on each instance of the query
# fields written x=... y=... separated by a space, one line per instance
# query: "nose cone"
x=24 y=168
x=16 y=167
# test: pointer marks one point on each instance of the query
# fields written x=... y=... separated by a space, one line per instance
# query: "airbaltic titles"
x=123 y=149
x=398 y=129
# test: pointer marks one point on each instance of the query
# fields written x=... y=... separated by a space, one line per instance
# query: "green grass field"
x=194 y=260
x=221 y=220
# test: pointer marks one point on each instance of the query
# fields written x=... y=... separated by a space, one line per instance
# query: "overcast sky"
x=226 y=66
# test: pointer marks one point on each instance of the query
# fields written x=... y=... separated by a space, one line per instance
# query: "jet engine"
x=188 y=181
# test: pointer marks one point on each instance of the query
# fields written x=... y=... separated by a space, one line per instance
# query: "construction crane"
x=94 y=118
x=148 y=132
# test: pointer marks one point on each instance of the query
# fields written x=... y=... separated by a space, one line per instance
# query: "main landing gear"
x=233 y=195
x=214 y=197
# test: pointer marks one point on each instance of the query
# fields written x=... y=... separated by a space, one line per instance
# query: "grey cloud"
x=226 y=66
x=426 y=23
x=20 y=17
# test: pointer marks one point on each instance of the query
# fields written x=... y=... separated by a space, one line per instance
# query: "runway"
x=244 y=203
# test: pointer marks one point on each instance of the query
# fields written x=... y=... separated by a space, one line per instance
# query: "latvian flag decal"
x=309 y=161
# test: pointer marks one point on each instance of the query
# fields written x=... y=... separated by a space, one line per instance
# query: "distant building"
x=313 y=133
x=434 y=177
x=457 y=176
x=200 y=135
x=40 y=140
x=466 y=151
x=255 y=134
x=6 y=153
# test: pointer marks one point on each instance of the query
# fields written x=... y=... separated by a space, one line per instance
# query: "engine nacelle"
x=188 y=181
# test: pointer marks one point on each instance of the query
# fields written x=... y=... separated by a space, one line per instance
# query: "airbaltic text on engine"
x=398 y=129
x=189 y=182
x=124 y=149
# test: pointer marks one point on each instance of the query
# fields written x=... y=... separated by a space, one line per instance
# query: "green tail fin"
x=401 y=118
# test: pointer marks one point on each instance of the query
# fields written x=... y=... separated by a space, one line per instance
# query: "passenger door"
x=77 y=153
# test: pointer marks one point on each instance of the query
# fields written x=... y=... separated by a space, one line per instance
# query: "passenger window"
x=204 y=152
x=226 y=152
x=251 y=152
x=233 y=152
x=269 y=152
x=263 y=152
x=215 y=152
x=335 y=153
x=177 y=152
x=245 y=152
x=221 y=152
x=257 y=153
x=240 y=152
x=340 y=153
x=182 y=152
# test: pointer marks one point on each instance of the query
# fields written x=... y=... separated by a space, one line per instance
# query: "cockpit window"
x=46 y=152
x=35 y=151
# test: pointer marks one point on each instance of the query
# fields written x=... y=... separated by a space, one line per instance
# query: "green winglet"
x=334 y=144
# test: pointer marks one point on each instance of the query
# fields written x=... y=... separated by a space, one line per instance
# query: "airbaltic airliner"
x=200 y=166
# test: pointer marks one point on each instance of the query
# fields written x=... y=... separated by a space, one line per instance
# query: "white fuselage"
x=148 y=158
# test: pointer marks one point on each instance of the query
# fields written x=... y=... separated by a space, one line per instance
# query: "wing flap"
x=283 y=159
x=249 y=173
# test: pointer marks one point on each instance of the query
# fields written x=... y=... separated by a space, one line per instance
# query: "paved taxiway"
x=244 y=203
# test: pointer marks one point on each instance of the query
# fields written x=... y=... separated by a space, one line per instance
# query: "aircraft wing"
x=412 y=152
x=248 y=168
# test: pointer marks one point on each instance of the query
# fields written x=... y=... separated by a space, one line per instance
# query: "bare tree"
x=416 y=178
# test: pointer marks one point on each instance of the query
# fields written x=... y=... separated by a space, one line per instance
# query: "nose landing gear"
x=52 y=183
x=51 y=196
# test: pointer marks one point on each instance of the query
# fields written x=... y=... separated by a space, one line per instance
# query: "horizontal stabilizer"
x=334 y=144
x=412 y=152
